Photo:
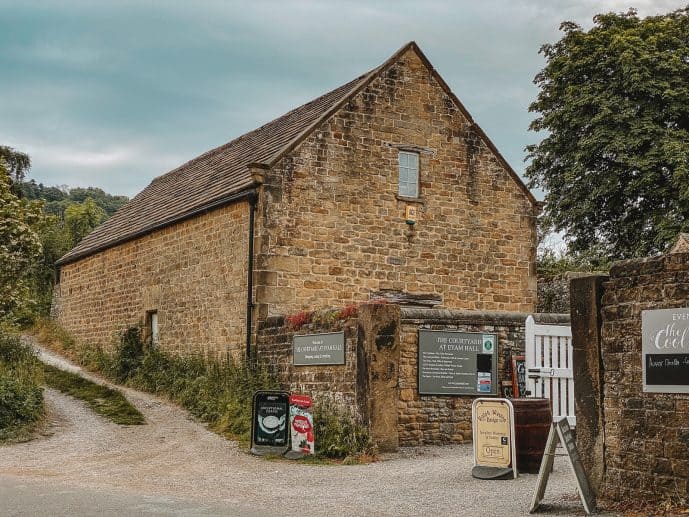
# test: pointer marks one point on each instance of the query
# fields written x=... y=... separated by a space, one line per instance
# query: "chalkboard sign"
x=457 y=363
x=667 y=369
x=518 y=376
x=665 y=350
x=270 y=426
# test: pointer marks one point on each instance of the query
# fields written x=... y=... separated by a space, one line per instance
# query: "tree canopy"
x=614 y=103
x=57 y=199
x=38 y=225
x=15 y=163
x=82 y=218
x=20 y=249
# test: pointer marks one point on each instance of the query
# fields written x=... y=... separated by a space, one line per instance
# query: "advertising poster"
x=301 y=424
x=493 y=433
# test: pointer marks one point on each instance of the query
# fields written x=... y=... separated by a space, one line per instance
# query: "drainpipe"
x=257 y=171
x=250 y=275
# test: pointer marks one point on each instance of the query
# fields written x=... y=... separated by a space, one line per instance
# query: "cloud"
x=113 y=94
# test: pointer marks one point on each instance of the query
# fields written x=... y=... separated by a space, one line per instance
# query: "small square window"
x=408 y=174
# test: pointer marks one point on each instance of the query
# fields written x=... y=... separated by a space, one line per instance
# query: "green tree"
x=614 y=102
x=109 y=203
x=55 y=242
x=16 y=164
x=20 y=248
x=82 y=218
x=57 y=199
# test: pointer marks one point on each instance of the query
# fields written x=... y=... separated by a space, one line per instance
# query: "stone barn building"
x=383 y=185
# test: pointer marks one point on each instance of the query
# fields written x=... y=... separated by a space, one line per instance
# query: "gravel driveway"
x=177 y=460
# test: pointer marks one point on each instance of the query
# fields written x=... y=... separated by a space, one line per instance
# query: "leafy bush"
x=21 y=395
x=129 y=355
x=298 y=320
x=217 y=392
x=337 y=432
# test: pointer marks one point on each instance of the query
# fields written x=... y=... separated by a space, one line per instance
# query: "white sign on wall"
x=665 y=350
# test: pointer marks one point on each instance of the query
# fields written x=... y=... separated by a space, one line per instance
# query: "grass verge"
x=105 y=401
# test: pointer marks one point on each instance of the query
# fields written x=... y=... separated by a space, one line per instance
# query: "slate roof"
x=221 y=175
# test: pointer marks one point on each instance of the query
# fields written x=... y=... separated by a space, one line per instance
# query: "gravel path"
x=173 y=456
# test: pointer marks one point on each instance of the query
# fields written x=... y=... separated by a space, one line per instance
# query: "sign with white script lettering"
x=457 y=363
x=665 y=350
x=318 y=349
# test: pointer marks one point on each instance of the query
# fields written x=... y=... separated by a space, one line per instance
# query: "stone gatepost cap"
x=681 y=245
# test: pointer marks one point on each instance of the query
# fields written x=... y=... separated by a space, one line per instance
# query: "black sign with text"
x=667 y=369
x=519 y=376
x=271 y=415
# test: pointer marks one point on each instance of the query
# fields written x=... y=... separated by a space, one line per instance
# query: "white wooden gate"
x=549 y=367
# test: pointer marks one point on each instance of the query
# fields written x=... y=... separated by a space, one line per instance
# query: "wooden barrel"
x=532 y=419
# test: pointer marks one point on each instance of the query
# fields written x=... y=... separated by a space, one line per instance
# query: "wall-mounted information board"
x=665 y=350
x=318 y=349
x=457 y=363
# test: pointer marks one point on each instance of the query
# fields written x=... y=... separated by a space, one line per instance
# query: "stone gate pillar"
x=585 y=304
x=378 y=359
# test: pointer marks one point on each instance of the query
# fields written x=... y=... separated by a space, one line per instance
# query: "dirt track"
x=176 y=458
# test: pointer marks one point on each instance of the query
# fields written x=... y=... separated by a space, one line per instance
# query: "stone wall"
x=332 y=228
x=192 y=273
x=366 y=384
x=642 y=452
x=380 y=377
x=336 y=382
x=433 y=419
x=646 y=434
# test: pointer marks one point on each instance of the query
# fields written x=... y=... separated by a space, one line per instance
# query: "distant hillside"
x=57 y=199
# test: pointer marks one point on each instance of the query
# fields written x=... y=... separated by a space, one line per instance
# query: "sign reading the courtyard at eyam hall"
x=665 y=350
x=457 y=363
x=318 y=349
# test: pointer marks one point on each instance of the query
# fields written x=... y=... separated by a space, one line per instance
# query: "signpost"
x=494 y=438
x=269 y=426
x=318 y=349
x=562 y=432
x=665 y=350
x=457 y=363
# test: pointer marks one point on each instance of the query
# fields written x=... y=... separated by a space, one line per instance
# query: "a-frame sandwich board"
x=561 y=432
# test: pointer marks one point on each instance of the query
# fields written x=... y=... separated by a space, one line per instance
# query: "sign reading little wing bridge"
x=457 y=363
x=665 y=350
x=317 y=349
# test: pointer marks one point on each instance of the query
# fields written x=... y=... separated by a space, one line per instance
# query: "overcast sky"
x=112 y=94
